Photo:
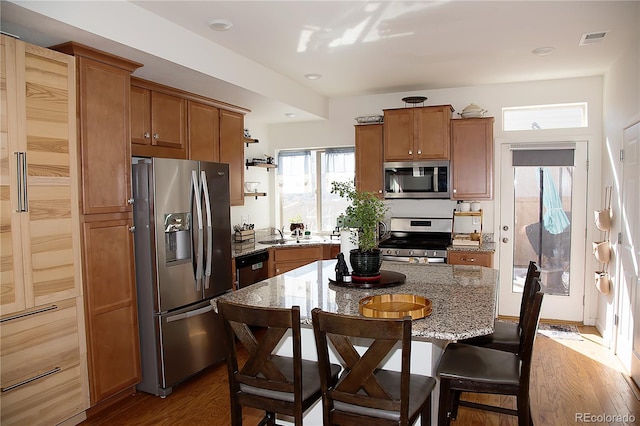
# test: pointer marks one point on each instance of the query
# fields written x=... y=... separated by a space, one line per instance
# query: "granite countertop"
x=463 y=297
x=486 y=247
x=241 y=249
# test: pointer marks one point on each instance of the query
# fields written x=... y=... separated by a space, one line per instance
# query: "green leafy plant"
x=364 y=212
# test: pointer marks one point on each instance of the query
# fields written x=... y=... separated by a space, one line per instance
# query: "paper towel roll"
x=346 y=245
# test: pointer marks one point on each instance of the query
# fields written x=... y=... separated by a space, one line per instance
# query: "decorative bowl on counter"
x=251 y=186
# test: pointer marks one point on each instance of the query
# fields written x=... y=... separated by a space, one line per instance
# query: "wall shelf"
x=247 y=141
x=255 y=194
x=263 y=165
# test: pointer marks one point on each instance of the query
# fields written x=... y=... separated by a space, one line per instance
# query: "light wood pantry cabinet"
x=204 y=132
x=478 y=258
x=232 y=152
x=107 y=224
x=420 y=133
x=42 y=350
x=472 y=158
x=369 y=173
x=158 y=120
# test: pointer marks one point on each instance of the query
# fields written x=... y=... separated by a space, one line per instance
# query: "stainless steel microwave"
x=417 y=179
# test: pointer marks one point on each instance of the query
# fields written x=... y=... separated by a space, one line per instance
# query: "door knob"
x=505 y=228
x=132 y=229
x=505 y=240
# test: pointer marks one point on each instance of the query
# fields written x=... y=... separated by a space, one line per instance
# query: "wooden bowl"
x=395 y=306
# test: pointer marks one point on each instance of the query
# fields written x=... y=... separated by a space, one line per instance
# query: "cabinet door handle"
x=469 y=259
x=30 y=379
x=27 y=314
x=419 y=152
x=155 y=136
x=132 y=229
x=19 y=179
x=146 y=135
x=25 y=196
x=410 y=152
x=130 y=201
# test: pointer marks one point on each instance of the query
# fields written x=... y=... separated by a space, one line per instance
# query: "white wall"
x=621 y=104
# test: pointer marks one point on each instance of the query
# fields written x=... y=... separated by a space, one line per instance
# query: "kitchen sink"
x=276 y=241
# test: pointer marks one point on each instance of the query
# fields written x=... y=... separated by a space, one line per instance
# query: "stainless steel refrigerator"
x=183 y=259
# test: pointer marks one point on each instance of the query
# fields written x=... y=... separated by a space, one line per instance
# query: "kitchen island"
x=463 y=301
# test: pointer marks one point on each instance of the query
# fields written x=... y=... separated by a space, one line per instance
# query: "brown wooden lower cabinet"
x=282 y=260
x=112 y=322
x=330 y=251
x=478 y=258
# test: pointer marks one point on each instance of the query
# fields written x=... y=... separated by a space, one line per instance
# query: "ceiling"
x=359 y=47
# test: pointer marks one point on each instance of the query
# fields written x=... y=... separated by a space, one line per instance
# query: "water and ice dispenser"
x=177 y=235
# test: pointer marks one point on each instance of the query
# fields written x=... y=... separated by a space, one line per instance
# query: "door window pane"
x=542 y=198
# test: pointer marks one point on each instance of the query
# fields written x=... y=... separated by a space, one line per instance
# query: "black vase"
x=365 y=263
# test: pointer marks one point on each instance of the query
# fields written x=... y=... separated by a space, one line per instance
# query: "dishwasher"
x=252 y=268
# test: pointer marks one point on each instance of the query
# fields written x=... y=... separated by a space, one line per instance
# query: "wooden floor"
x=568 y=377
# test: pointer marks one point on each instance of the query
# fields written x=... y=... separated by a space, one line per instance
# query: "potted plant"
x=365 y=212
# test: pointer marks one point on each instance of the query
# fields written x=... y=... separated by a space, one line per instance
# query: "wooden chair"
x=506 y=335
x=476 y=369
x=274 y=383
x=365 y=393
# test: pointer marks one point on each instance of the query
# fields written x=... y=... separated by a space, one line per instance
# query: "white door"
x=628 y=337
x=543 y=218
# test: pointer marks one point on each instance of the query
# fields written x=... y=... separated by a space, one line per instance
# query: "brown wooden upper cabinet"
x=158 y=120
x=204 y=132
x=232 y=152
x=421 y=133
x=472 y=159
x=369 y=158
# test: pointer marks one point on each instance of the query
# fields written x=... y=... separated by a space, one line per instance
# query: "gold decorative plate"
x=395 y=306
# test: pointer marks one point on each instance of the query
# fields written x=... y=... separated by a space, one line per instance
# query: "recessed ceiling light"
x=220 y=24
x=543 y=51
x=313 y=76
x=290 y=114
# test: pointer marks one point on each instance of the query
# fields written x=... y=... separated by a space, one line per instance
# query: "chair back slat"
x=529 y=291
x=529 y=336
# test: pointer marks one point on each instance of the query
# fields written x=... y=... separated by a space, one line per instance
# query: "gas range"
x=417 y=240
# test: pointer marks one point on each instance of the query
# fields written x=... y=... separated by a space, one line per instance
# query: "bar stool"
x=506 y=335
x=274 y=383
x=365 y=393
x=476 y=369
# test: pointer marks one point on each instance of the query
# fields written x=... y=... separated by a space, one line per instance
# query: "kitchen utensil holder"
x=244 y=236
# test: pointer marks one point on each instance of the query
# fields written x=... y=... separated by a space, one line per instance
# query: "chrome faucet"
x=281 y=234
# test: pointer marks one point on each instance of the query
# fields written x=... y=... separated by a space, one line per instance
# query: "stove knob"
x=426 y=253
x=410 y=252
x=397 y=252
x=388 y=251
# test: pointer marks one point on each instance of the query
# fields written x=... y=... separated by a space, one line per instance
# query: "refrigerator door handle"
x=190 y=314
x=207 y=203
x=197 y=192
